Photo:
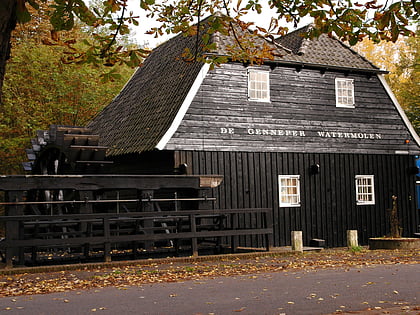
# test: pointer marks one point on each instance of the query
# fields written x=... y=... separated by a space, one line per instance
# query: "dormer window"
x=344 y=92
x=258 y=85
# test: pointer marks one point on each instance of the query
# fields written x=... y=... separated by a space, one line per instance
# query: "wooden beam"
x=96 y=182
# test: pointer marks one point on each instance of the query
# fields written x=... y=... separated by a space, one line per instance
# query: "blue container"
x=418 y=194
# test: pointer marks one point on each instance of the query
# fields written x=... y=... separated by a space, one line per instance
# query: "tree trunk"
x=7 y=25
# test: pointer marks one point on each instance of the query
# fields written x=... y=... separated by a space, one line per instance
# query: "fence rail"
x=81 y=212
x=37 y=232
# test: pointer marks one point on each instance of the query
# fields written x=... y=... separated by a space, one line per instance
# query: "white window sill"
x=344 y=106
x=370 y=203
x=289 y=206
x=259 y=100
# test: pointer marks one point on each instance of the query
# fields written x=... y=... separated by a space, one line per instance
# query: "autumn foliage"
x=40 y=90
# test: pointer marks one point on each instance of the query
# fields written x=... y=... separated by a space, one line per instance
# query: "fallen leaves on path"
x=136 y=275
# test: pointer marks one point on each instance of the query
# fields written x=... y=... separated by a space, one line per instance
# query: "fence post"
x=107 y=235
x=233 y=238
x=194 y=244
x=268 y=224
x=297 y=242
x=352 y=238
x=13 y=229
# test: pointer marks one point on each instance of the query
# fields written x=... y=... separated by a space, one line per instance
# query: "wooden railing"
x=39 y=216
x=37 y=233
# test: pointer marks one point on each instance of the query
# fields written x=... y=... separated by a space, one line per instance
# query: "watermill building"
x=314 y=134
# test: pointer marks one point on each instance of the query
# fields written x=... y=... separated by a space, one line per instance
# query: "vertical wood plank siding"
x=328 y=207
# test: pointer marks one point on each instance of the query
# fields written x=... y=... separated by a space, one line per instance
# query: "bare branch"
x=121 y=22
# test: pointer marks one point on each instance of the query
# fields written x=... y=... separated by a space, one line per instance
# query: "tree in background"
x=402 y=60
x=347 y=20
x=407 y=89
x=40 y=90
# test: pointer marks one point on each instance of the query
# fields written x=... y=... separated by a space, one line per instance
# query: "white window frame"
x=344 y=92
x=365 y=189
x=256 y=85
x=284 y=193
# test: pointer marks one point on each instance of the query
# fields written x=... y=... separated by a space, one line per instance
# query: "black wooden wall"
x=302 y=107
x=328 y=207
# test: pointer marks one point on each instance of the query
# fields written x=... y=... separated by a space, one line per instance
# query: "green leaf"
x=353 y=40
x=384 y=20
x=395 y=31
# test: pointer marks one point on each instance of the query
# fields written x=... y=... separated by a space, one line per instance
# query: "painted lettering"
x=227 y=130
x=349 y=135
x=302 y=133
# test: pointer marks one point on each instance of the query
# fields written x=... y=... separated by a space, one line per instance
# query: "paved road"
x=313 y=292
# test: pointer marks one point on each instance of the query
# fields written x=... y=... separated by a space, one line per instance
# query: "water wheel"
x=66 y=150
x=63 y=150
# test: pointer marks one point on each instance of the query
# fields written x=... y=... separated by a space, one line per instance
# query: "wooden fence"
x=142 y=228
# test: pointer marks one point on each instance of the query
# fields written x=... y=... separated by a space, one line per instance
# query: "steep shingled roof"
x=138 y=118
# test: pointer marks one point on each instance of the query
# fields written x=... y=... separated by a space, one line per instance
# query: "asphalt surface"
x=323 y=291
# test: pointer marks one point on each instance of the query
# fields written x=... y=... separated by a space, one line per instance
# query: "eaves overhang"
x=302 y=65
x=308 y=65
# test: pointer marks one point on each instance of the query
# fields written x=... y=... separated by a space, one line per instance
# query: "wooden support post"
x=84 y=226
x=89 y=233
x=352 y=239
x=107 y=244
x=297 y=242
x=147 y=224
x=204 y=204
x=194 y=243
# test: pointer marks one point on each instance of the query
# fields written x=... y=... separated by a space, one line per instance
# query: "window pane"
x=289 y=190
x=344 y=92
x=365 y=192
x=258 y=85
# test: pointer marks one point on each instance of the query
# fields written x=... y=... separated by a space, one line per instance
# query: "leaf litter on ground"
x=136 y=275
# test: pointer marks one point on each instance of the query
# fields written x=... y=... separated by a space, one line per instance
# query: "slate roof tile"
x=323 y=51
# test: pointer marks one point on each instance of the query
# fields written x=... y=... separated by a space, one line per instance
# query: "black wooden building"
x=315 y=134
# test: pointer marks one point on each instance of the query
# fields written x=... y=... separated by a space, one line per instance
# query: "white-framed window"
x=289 y=190
x=365 y=190
x=344 y=92
x=258 y=85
